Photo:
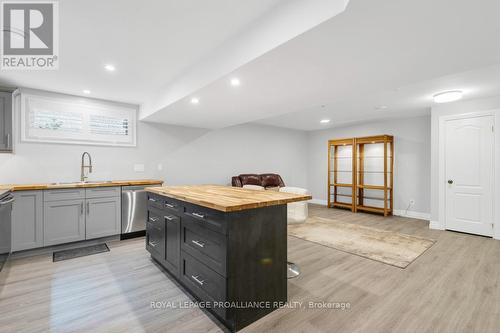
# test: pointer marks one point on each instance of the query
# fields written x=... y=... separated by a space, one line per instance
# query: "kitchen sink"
x=86 y=182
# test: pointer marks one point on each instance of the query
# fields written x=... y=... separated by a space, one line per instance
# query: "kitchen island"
x=226 y=246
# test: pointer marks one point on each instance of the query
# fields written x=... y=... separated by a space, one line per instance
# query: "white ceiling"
x=387 y=52
x=351 y=63
x=149 y=42
x=407 y=101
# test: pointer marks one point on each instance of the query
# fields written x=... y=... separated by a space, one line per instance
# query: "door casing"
x=496 y=167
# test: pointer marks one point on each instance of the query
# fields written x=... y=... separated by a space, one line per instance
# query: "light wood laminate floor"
x=452 y=287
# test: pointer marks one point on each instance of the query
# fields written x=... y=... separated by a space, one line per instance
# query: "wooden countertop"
x=226 y=198
x=50 y=186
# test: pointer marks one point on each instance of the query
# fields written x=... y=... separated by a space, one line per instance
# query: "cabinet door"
x=172 y=241
x=64 y=221
x=27 y=220
x=5 y=121
x=102 y=217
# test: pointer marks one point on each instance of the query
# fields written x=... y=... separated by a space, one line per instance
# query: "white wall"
x=438 y=111
x=188 y=156
x=202 y=157
x=411 y=162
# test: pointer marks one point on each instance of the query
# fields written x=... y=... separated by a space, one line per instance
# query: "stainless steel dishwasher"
x=134 y=211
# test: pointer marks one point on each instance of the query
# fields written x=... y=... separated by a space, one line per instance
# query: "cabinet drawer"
x=155 y=201
x=155 y=234
x=173 y=205
x=63 y=194
x=210 y=218
x=103 y=192
x=203 y=282
x=204 y=244
x=155 y=218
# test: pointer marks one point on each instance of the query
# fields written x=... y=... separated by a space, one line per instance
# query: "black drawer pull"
x=201 y=216
x=169 y=205
x=200 y=244
x=153 y=219
x=169 y=218
x=196 y=278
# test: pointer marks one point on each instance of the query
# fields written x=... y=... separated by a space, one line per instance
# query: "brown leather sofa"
x=267 y=180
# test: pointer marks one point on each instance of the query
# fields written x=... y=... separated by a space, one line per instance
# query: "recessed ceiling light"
x=86 y=91
x=235 y=82
x=448 y=96
x=110 y=68
x=195 y=100
x=381 y=107
x=324 y=121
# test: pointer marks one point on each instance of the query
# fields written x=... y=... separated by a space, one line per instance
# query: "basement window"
x=72 y=120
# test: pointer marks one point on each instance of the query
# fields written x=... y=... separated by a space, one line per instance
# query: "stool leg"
x=292 y=270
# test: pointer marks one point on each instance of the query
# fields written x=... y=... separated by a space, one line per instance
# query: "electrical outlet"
x=412 y=202
x=139 y=167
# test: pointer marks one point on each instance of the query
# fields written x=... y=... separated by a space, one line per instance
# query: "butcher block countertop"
x=52 y=186
x=226 y=198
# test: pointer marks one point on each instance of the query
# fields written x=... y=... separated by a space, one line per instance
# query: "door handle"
x=200 y=244
x=88 y=208
x=450 y=181
x=196 y=278
x=81 y=208
x=9 y=143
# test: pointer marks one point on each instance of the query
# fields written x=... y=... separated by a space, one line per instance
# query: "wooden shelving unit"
x=361 y=174
x=341 y=174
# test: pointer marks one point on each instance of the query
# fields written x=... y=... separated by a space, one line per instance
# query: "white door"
x=469 y=174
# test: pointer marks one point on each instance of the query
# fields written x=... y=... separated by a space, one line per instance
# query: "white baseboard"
x=435 y=225
x=412 y=214
x=319 y=202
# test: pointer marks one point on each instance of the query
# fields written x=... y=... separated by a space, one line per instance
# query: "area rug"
x=388 y=247
x=79 y=252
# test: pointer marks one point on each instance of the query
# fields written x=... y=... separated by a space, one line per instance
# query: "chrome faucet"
x=83 y=166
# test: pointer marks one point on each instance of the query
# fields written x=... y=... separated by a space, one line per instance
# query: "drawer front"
x=155 y=218
x=173 y=205
x=63 y=194
x=103 y=192
x=204 y=244
x=210 y=218
x=203 y=282
x=155 y=201
x=155 y=235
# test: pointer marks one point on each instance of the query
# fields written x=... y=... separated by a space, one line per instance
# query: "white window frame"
x=86 y=106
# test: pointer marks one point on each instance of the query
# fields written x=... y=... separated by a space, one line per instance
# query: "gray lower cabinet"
x=103 y=217
x=64 y=221
x=27 y=220
x=51 y=217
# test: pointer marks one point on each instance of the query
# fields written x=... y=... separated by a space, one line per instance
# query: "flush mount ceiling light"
x=86 y=92
x=235 y=82
x=381 y=107
x=448 y=96
x=324 y=121
x=110 y=68
x=195 y=100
